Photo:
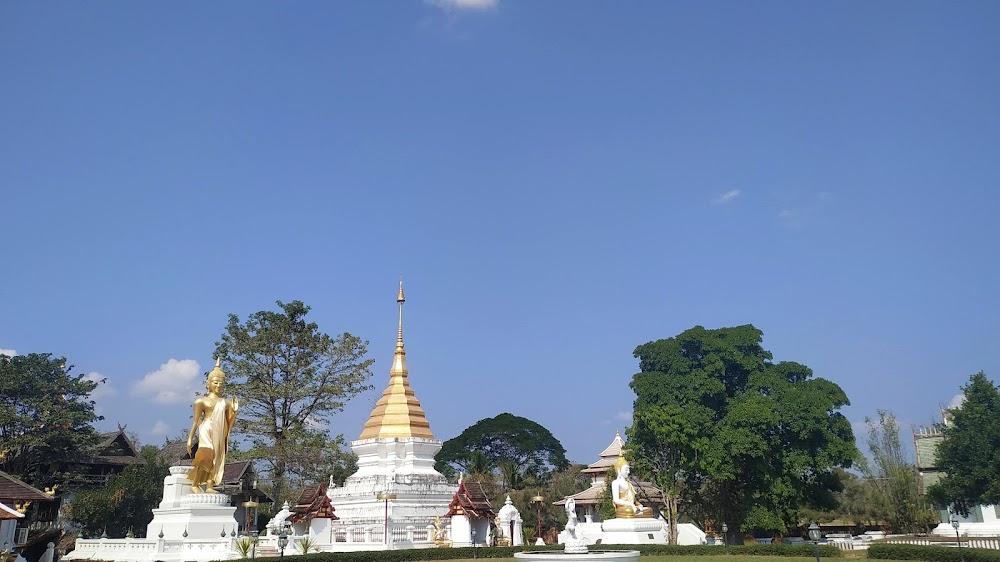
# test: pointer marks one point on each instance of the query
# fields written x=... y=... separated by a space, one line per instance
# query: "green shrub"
x=883 y=551
x=243 y=545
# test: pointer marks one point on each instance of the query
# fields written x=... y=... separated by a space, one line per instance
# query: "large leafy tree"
x=126 y=500
x=46 y=418
x=513 y=445
x=970 y=452
x=718 y=423
x=291 y=378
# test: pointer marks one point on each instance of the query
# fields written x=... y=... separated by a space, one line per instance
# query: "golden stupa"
x=398 y=413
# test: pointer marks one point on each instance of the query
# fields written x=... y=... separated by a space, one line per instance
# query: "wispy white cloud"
x=957 y=401
x=8 y=352
x=174 y=382
x=727 y=197
x=159 y=428
x=801 y=210
x=454 y=5
x=104 y=388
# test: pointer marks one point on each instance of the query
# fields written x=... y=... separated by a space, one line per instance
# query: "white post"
x=49 y=553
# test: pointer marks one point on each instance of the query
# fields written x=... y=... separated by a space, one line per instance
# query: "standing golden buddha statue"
x=213 y=420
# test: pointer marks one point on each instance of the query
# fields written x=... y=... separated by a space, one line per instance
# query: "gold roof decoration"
x=398 y=413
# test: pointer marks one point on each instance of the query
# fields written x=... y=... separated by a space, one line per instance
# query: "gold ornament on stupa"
x=398 y=413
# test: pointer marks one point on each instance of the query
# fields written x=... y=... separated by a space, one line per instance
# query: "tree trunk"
x=672 y=501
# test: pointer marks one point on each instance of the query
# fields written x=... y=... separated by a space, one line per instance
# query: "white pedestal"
x=634 y=531
x=201 y=516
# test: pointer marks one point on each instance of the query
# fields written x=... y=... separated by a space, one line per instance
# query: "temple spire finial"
x=400 y=299
x=398 y=413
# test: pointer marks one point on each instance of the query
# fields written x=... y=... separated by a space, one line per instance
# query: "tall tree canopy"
x=291 y=378
x=970 y=452
x=718 y=423
x=46 y=418
x=126 y=500
x=509 y=443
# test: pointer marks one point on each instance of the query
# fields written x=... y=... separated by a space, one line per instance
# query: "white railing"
x=152 y=549
x=991 y=544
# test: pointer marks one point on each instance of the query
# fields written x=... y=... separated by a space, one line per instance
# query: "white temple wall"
x=461 y=531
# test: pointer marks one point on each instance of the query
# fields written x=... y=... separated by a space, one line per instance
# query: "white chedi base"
x=403 y=466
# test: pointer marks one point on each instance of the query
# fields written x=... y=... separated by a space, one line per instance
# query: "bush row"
x=931 y=553
x=800 y=550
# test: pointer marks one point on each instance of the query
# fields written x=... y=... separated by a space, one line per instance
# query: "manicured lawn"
x=721 y=558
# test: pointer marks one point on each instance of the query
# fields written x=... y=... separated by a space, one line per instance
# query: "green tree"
x=893 y=478
x=970 y=452
x=126 y=500
x=558 y=485
x=291 y=379
x=508 y=442
x=716 y=422
x=46 y=418
x=853 y=504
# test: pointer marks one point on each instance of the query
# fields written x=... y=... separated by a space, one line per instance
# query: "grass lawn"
x=722 y=558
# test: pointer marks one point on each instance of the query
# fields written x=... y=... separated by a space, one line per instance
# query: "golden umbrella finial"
x=400 y=297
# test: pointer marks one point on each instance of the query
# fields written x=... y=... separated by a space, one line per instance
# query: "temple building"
x=395 y=483
x=587 y=500
x=471 y=514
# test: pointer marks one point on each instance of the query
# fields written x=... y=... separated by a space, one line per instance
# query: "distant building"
x=114 y=452
x=983 y=520
x=22 y=505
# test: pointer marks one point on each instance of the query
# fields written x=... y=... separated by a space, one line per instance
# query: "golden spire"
x=398 y=413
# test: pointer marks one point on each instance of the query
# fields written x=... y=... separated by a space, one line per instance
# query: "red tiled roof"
x=470 y=499
x=313 y=504
x=12 y=489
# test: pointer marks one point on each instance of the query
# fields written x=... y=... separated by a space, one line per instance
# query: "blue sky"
x=558 y=182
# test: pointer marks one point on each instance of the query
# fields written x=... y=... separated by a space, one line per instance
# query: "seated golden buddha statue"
x=623 y=494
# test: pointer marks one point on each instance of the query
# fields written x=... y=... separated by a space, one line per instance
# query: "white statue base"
x=186 y=527
x=634 y=531
x=200 y=516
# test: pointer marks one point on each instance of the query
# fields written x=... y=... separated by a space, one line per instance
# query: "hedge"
x=925 y=553
x=418 y=554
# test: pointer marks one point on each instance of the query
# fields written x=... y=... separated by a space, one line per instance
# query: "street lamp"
x=537 y=500
x=254 y=536
x=283 y=539
x=814 y=535
x=474 y=550
x=954 y=525
x=386 y=496
x=250 y=506
x=725 y=537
